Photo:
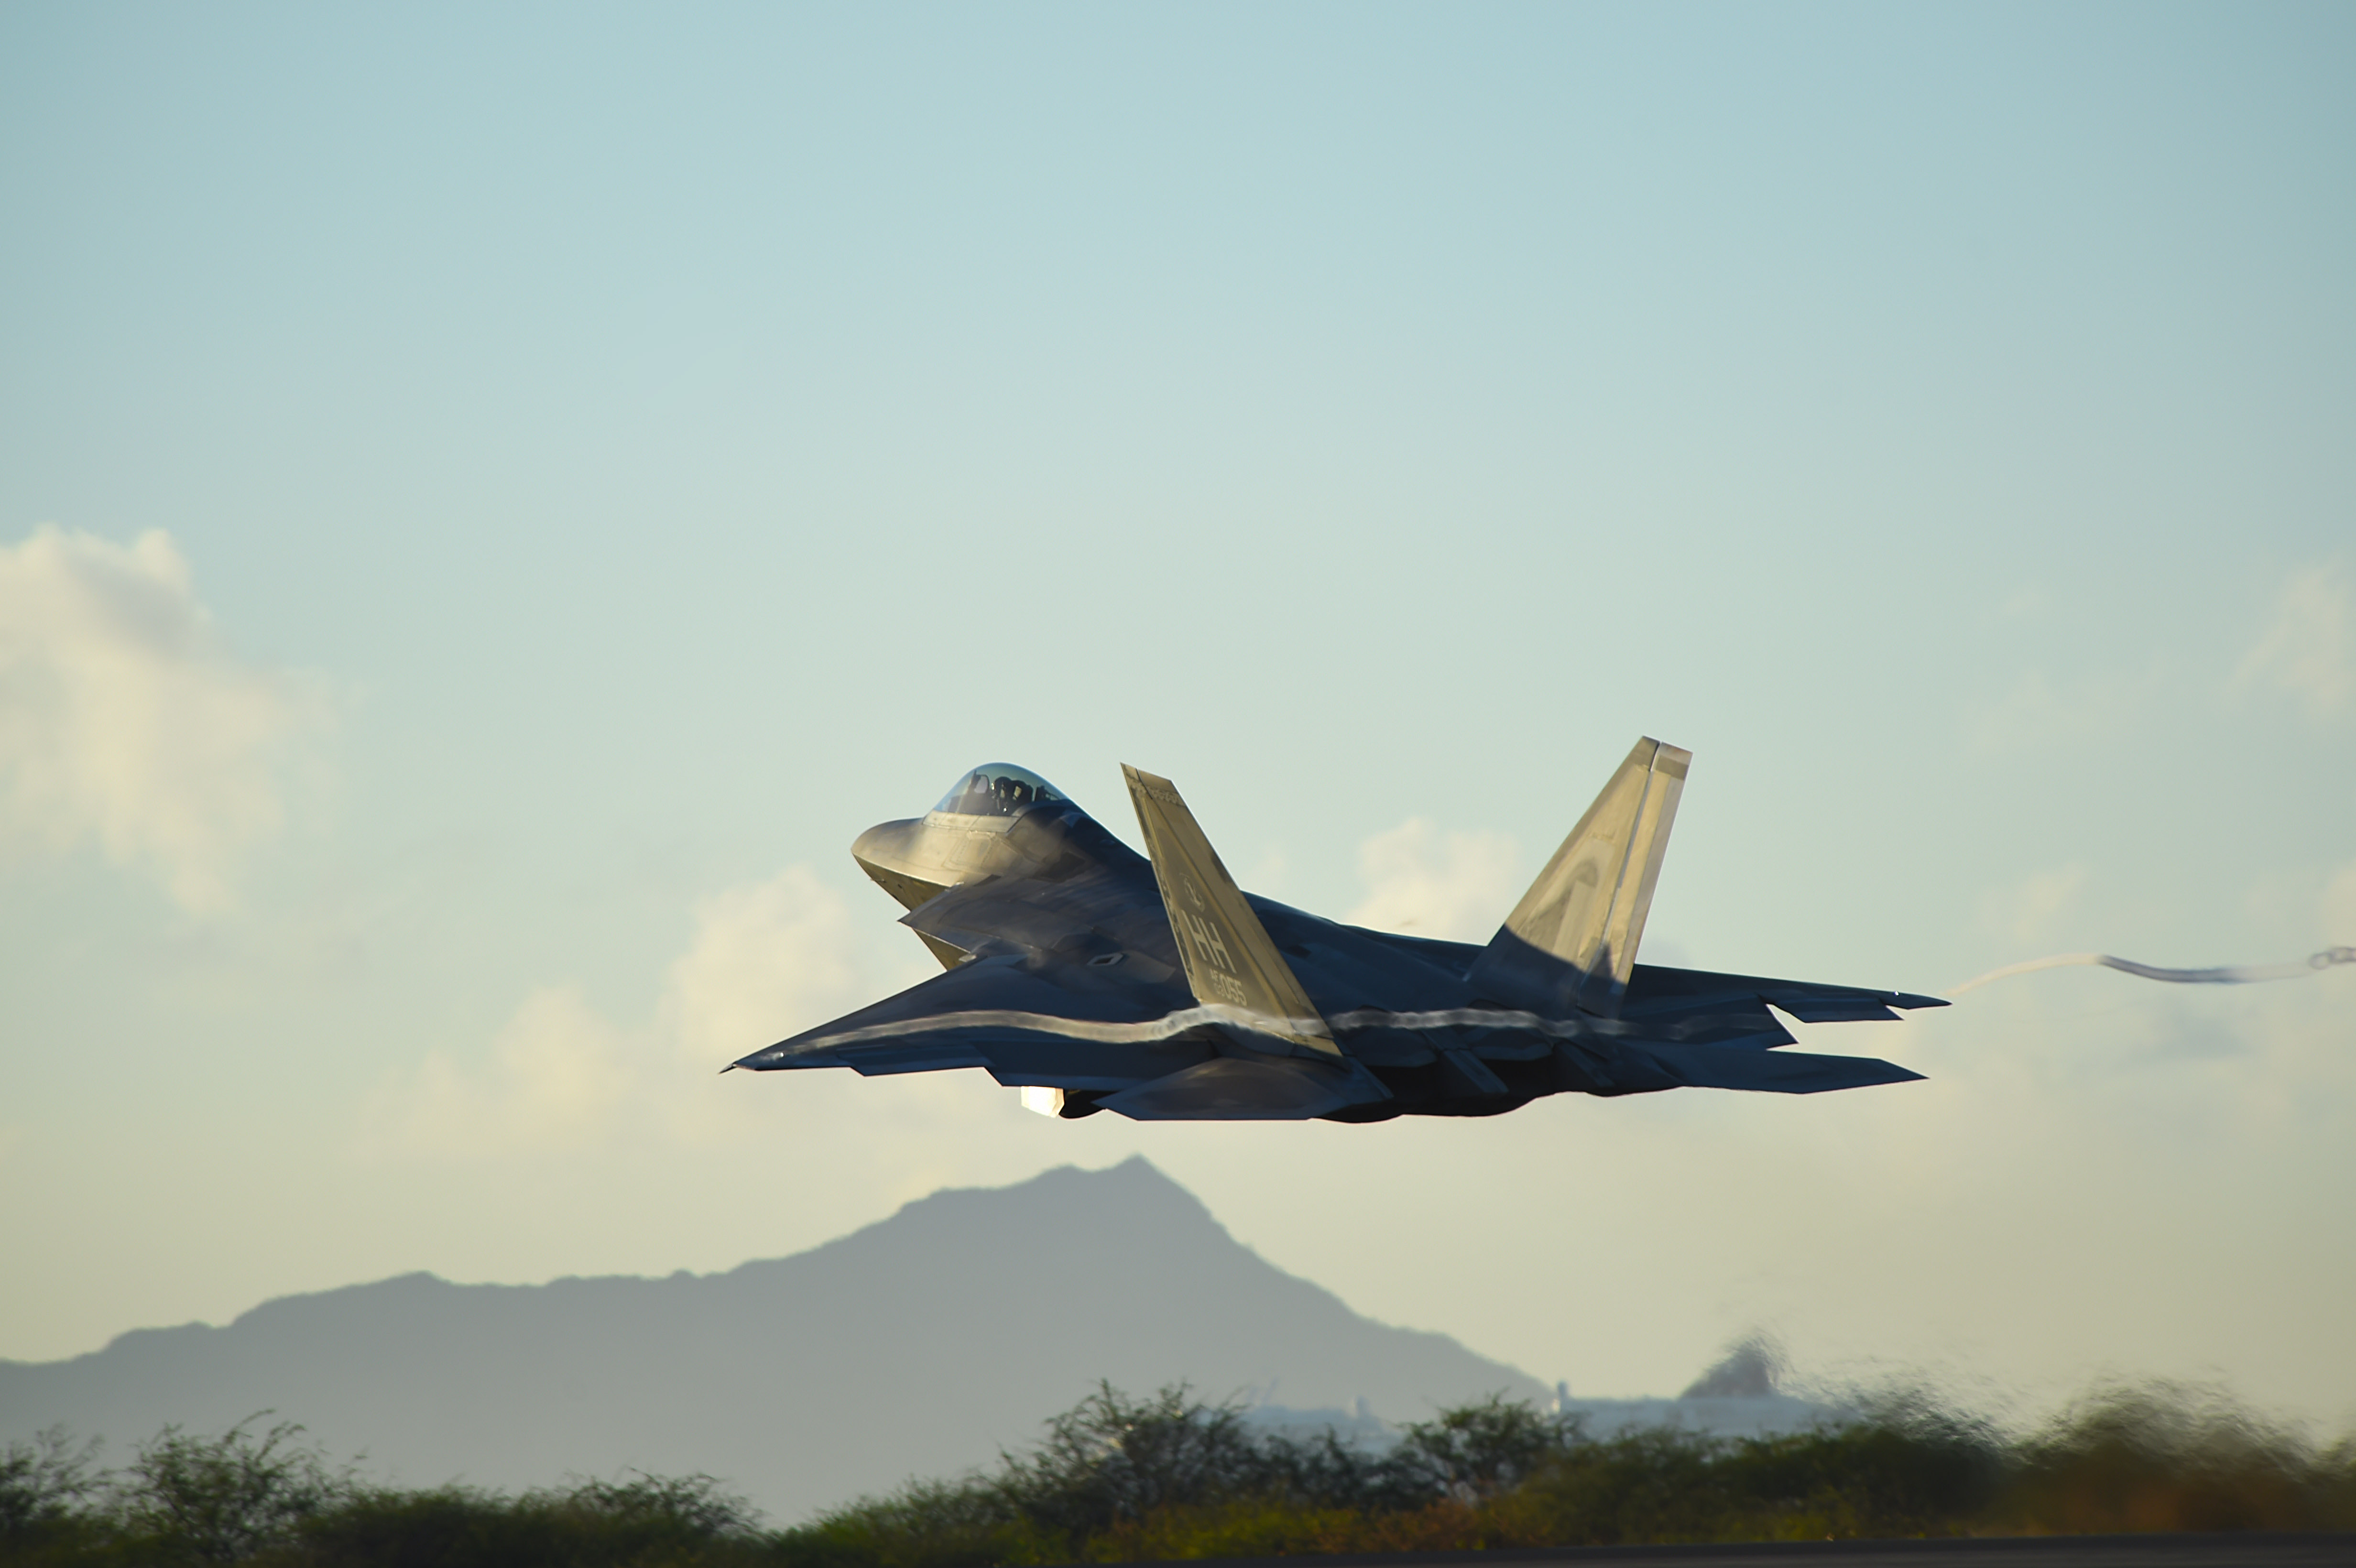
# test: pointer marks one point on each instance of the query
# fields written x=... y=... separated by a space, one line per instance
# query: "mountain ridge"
x=921 y=1344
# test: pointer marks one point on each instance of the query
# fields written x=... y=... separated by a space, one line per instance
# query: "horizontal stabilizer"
x=1772 y=1072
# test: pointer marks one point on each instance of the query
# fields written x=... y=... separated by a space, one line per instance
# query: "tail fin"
x=1230 y=962
x=1571 y=942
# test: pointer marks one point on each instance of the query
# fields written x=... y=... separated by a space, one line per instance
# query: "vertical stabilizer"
x=1230 y=962
x=1571 y=942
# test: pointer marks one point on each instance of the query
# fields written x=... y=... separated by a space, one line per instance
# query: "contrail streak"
x=2229 y=975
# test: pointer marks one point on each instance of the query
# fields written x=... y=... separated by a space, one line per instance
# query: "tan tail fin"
x=1230 y=962
x=1571 y=942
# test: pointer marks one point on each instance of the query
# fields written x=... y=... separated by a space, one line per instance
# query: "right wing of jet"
x=1702 y=1007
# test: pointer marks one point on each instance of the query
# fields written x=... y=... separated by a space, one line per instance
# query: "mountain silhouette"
x=918 y=1346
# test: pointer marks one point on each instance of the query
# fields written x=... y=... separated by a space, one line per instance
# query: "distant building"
x=1735 y=1398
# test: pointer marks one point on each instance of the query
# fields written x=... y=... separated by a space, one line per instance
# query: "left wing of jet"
x=1062 y=1024
x=1067 y=987
x=1056 y=1024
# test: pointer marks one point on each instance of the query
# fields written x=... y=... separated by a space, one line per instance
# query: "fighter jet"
x=1093 y=978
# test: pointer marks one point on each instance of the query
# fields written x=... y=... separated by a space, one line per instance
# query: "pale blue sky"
x=624 y=454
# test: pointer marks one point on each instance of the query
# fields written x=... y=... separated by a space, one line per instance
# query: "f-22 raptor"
x=1096 y=979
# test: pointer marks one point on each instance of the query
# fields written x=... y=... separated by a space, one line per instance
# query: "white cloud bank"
x=1425 y=883
x=2309 y=648
x=2037 y=712
x=558 y=1075
x=126 y=721
x=767 y=961
x=2028 y=910
x=2340 y=907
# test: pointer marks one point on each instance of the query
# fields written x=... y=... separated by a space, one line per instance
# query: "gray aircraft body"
x=1097 y=979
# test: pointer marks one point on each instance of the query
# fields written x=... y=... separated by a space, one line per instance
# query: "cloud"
x=2309 y=649
x=768 y=960
x=2340 y=907
x=1428 y=883
x=557 y=1074
x=2027 y=910
x=126 y=721
x=2036 y=712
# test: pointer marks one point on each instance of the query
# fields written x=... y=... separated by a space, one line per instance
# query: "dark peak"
x=1136 y=1175
x=1749 y=1370
x=1132 y=1198
x=1135 y=1186
x=1134 y=1195
x=411 y=1287
x=921 y=1344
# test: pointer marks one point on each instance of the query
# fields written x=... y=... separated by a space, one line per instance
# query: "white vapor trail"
x=2228 y=975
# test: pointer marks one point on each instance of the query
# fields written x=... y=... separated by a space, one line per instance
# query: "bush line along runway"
x=2252 y=1549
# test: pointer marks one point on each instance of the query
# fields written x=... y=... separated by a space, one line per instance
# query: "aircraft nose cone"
x=886 y=844
x=894 y=858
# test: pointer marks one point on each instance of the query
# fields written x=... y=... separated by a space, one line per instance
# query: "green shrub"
x=2174 y=1457
x=225 y=1498
x=46 y=1485
x=647 y=1520
x=1118 y=1479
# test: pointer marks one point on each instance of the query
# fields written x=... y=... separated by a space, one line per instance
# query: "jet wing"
x=1066 y=1025
x=1058 y=1024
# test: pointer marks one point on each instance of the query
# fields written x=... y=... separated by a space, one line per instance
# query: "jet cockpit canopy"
x=998 y=789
